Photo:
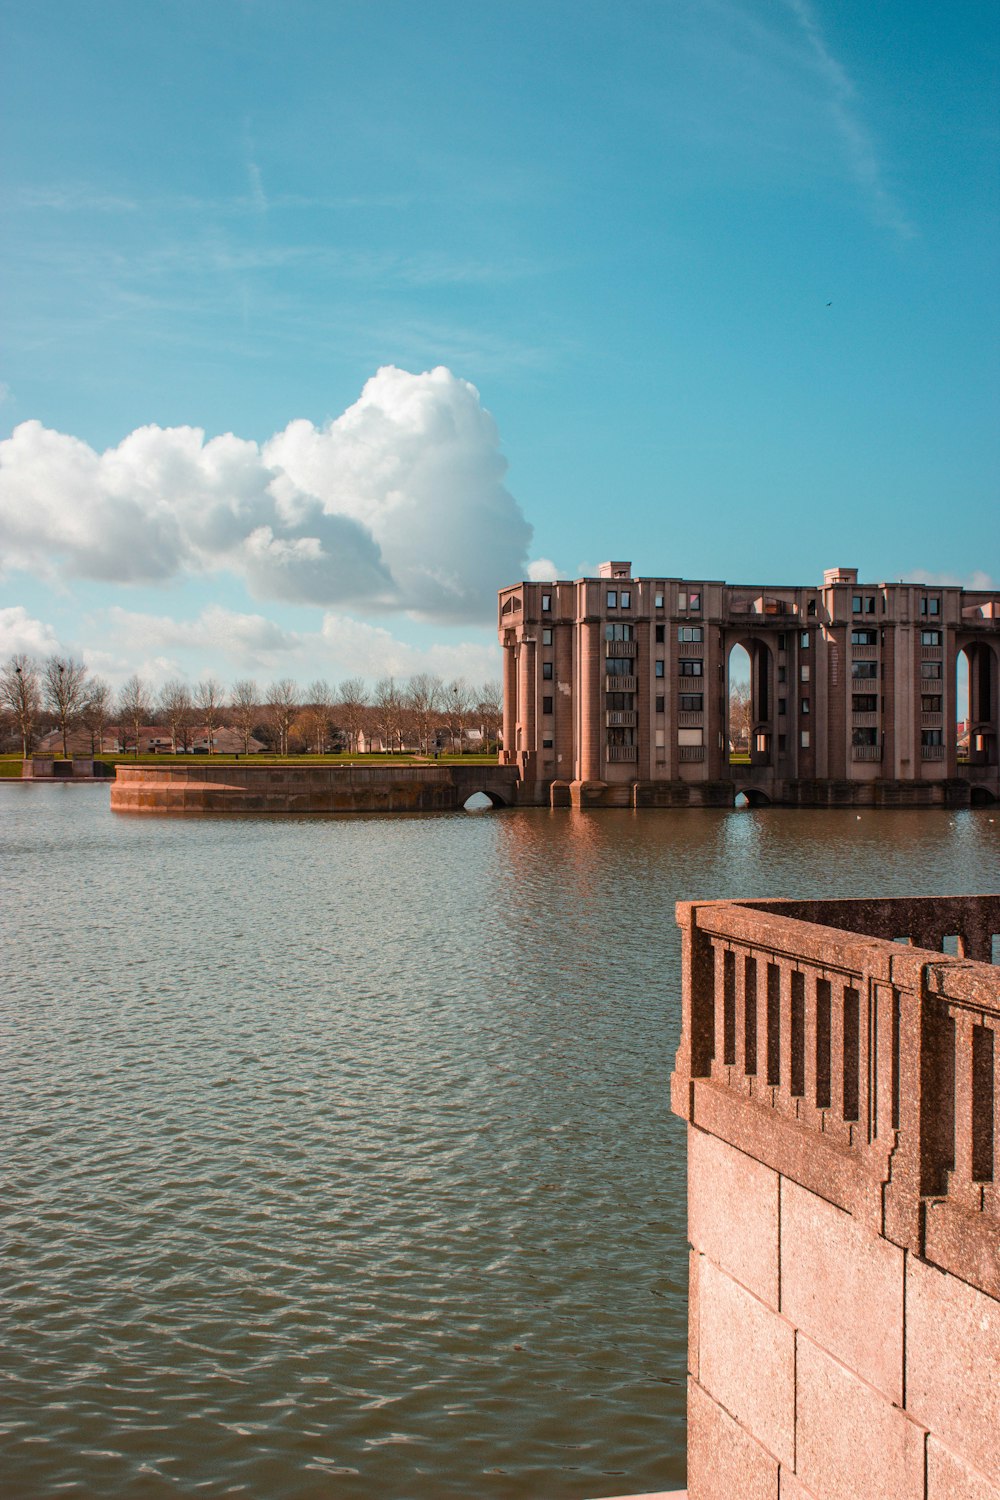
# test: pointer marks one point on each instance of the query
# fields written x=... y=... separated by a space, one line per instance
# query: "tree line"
x=422 y=710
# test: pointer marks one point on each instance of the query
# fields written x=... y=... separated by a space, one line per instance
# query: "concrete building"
x=617 y=690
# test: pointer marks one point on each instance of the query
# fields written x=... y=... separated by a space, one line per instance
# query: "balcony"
x=690 y=752
x=837 y=1071
x=865 y=720
x=866 y=752
x=932 y=752
x=864 y=653
x=621 y=684
x=620 y=648
x=931 y=721
x=931 y=653
x=621 y=753
x=832 y=1028
x=621 y=718
x=690 y=718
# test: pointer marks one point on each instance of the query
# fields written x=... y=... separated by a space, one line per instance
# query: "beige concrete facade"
x=840 y=1077
x=616 y=690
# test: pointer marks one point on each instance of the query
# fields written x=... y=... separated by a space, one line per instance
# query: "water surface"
x=337 y=1153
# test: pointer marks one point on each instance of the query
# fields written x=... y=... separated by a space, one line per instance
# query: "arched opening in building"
x=482 y=802
x=750 y=703
x=750 y=797
x=976 y=704
x=981 y=796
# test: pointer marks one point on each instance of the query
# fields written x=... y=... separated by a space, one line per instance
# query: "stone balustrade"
x=839 y=1070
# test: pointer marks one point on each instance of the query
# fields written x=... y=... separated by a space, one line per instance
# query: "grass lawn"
x=10 y=765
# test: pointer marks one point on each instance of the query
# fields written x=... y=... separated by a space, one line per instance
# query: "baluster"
x=740 y=1020
x=960 y=1182
x=720 y=1072
x=808 y=1105
x=836 y=1119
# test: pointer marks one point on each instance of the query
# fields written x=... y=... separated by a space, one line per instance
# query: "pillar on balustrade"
x=526 y=691
x=591 y=696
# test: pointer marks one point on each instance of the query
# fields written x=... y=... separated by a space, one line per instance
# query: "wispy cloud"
x=846 y=113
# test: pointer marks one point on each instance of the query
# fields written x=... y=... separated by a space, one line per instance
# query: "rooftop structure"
x=617 y=689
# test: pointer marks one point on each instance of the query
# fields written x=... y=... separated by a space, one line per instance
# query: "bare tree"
x=319 y=703
x=458 y=704
x=135 y=706
x=20 y=692
x=96 y=712
x=245 y=703
x=64 y=690
x=353 y=696
x=388 y=706
x=423 y=697
x=209 y=697
x=282 y=706
x=489 y=710
x=739 y=713
x=175 y=706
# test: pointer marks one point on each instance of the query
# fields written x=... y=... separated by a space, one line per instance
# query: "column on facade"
x=526 y=696
x=591 y=700
x=509 y=702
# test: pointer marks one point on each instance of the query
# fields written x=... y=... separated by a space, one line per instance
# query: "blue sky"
x=708 y=285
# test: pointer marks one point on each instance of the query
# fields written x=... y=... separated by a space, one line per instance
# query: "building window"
x=782 y=674
x=690 y=633
x=856 y=604
x=930 y=669
x=657 y=601
x=932 y=737
x=864 y=703
x=695 y=602
x=930 y=606
x=689 y=668
x=864 y=638
x=659 y=738
x=782 y=741
x=811 y=607
x=805 y=673
x=547 y=635
x=930 y=703
x=864 y=669
x=612 y=598
x=804 y=739
x=546 y=602
x=620 y=700
x=691 y=703
x=690 y=737
x=782 y=640
x=660 y=634
x=804 y=640
x=546 y=744
x=864 y=736
x=930 y=638
x=616 y=631
x=782 y=707
x=660 y=703
x=619 y=666
x=869 y=604
x=547 y=704
x=804 y=705
x=659 y=669
x=547 y=671
x=626 y=599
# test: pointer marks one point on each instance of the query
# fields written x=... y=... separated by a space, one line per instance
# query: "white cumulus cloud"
x=399 y=503
x=542 y=570
x=21 y=633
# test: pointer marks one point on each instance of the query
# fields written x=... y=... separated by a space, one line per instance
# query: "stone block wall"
x=824 y=1361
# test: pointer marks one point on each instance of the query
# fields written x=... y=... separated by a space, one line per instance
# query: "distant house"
x=154 y=739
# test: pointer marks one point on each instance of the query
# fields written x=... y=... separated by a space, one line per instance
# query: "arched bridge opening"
x=751 y=796
x=483 y=800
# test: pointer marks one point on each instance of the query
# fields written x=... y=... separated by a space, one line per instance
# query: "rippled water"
x=337 y=1152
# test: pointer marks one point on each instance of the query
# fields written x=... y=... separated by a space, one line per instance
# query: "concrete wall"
x=824 y=1361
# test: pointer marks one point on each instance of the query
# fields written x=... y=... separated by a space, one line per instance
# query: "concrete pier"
x=245 y=788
